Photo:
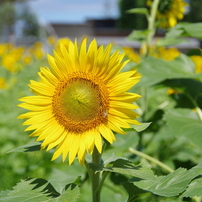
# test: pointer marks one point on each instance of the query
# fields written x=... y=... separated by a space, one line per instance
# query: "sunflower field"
x=80 y=121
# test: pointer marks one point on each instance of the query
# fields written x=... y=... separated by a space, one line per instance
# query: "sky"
x=73 y=11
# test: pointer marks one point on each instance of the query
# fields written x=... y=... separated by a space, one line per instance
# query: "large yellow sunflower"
x=80 y=100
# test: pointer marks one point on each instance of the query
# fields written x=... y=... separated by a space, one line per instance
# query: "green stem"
x=199 y=112
x=88 y=169
x=151 y=25
x=102 y=181
x=144 y=101
x=157 y=162
x=95 y=177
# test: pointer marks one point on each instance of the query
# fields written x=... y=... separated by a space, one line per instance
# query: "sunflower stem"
x=156 y=161
x=95 y=177
x=88 y=169
x=104 y=176
x=198 y=110
x=151 y=25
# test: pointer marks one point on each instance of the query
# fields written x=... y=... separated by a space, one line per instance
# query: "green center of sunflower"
x=80 y=102
x=165 y=6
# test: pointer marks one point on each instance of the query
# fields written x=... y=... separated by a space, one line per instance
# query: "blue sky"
x=73 y=11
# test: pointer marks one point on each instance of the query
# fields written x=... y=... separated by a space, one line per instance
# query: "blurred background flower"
x=169 y=12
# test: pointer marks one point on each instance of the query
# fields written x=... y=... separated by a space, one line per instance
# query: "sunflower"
x=81 y=100
x=169 y=12
x=167 y=54
x=197 y=59
x=2 y=83
x=132 y=54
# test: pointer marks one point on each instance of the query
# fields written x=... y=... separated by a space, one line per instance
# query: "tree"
x=7 y=11
x=195 y=14
x=31 y=25
x=131 y=21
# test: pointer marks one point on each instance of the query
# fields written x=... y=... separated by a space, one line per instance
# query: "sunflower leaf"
x=186 y=29
x=133 y=192
x=169 y=41
x=141 y=127
x=123 y=166
x=138 y=10
x=138 y=35
x=30 y=147
x=109 y=158
x=185 y=122
x=170 y=185
x=39 y=190
x=24 y=191
x=194 y=189
x=71 y=194
x=157 y=70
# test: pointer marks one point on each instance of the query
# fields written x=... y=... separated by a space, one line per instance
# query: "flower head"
x=169 y=12
x=197 y=59
x=132 y=54
x=166 y=53
x=2 y=83
x=81 y=100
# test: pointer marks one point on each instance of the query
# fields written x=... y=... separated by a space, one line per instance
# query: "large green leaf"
x=169 y=185
x=133 y=192
x=71 y=194
x=156 y=70
x=172 y=184
x=109 y=158
x=194 y=189
x=36 y=190
x=30 y=147
x=125 y=167
x=170 y=41
x=24 y=191
x=186 y=29
x=138 y=35
x=185 y=122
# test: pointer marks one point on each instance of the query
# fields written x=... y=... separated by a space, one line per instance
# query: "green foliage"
x=157 y=70
x=195 y=13
x=141 y=127
x=138 y=10
x=31 y=25
x=184 y=122
x=34 y=146
x=132 y=21
x=7 y=10
x=138 y=35
x=39 y=190
x=194 y=189
x=172 y=184
x=186 y=29
x=170 y=41
x=169 y=185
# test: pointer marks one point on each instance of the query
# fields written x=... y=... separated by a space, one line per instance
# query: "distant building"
x=92 y=27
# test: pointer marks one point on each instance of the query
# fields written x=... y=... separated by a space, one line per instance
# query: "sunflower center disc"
x=80 y=100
